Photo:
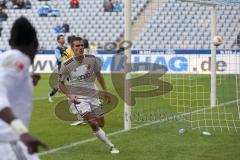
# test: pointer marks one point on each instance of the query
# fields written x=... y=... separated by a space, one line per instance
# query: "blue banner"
x=160 y=52
x=157 y=52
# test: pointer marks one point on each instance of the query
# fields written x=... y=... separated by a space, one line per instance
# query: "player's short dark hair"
x=75 y=39
x=23 y=33
x=59 y=36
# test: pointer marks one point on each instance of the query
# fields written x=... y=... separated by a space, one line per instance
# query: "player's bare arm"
x=103 y=85
x=65 y=91
x=7 y=115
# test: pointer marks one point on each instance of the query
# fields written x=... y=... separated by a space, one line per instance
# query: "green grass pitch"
x=190 y=93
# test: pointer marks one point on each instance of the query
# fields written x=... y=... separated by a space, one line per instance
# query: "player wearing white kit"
x=16 y=143
x=82 y=70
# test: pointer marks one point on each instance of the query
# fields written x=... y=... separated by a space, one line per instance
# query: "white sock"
x=100 y=134
x=80 y=118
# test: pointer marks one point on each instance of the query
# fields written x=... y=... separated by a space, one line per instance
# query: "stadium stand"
x=172 y=24
x=187 y=26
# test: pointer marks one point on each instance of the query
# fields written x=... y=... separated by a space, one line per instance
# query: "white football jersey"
x=15 y=90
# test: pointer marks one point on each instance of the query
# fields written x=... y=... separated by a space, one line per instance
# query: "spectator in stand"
x=65 y=27
x=28 y=4
x=117 y=6
x=108 y=6
x=14 y=4
x=3 y=3
x=74 y=3
x=55 y=12
x=3 y=15
x=9 y=4
x=44 y=10
x=58 y=29
x=20 y=4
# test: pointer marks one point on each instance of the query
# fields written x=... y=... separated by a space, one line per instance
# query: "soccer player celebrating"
x=68 y=53
x=59 y=51
x=16 y=142
x=82 y=71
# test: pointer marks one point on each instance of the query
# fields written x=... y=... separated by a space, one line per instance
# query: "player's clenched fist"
x=73 y=98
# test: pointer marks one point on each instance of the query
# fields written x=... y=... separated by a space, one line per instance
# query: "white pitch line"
x=137 y=127
x=43 y=98
x=76 y=144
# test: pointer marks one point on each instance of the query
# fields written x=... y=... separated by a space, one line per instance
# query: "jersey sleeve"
x=97 y=65
x=64 y=74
